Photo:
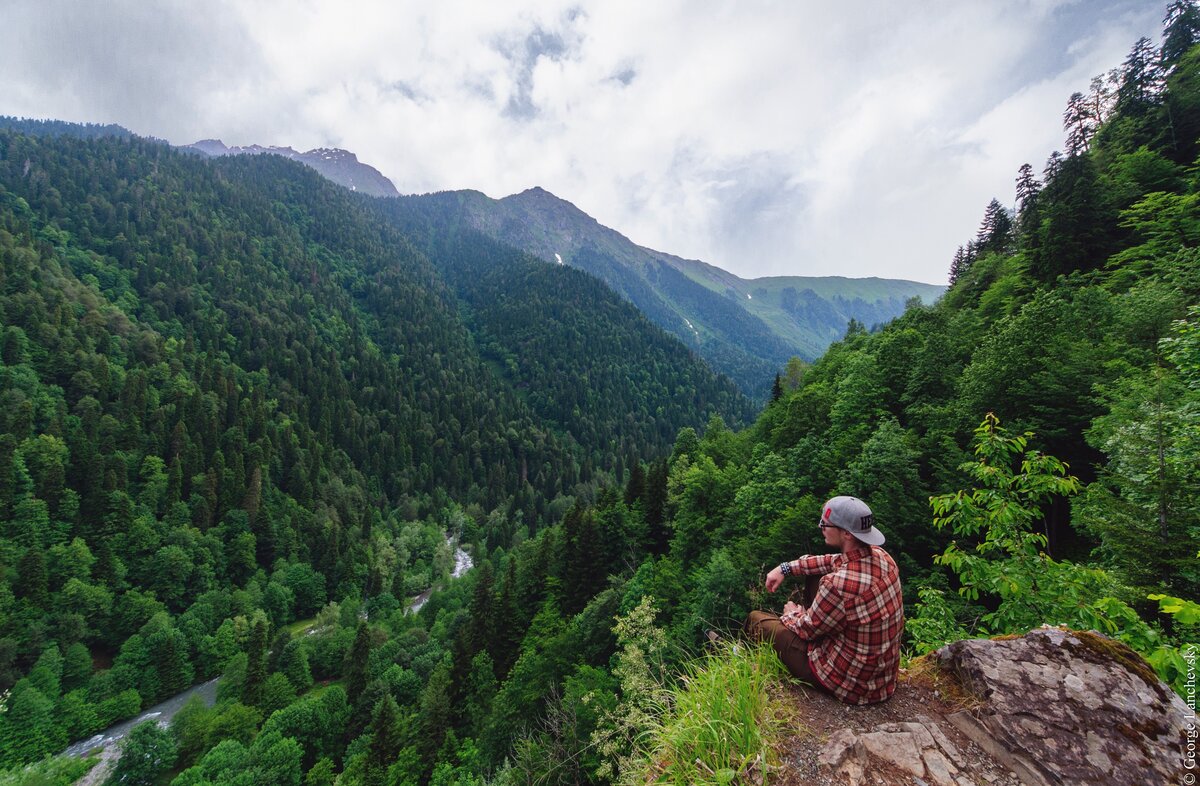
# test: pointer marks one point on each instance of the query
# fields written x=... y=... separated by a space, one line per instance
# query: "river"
x=162 y=712
x=462 y=563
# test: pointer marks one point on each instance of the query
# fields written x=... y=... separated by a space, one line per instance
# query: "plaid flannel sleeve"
x=818 y=564
x=825 y=615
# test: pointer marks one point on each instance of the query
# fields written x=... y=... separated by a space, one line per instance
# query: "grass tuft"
x=719 y=722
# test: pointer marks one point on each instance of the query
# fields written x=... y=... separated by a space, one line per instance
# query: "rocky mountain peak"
x=340 y=166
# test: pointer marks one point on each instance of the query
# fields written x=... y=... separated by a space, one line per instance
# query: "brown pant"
x=791 y=649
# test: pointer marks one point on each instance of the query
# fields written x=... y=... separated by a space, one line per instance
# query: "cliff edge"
x=1053 y=707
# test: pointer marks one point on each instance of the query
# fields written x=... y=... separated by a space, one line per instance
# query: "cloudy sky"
x=770 y=138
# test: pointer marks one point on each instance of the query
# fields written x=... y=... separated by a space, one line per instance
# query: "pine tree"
x=958 y=265
x=256 y=663
x=1181 y=31
x=386 y=740
x=1028 y=188
x=357 y=663
x=1052 y=167
x=995 y=231
x=1080 y=123
x=656 y=506
x=32 y=578
x=1141 y=79
x=1102 y=95
x=507 y=639
x=635 y=489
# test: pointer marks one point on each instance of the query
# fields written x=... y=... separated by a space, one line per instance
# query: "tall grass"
x=717 y=727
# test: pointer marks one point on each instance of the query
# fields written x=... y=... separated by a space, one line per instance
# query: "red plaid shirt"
x=854 y=623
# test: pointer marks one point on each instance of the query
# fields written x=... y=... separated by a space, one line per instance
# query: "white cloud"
x=765 y=137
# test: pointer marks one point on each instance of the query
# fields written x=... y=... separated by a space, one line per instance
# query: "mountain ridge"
x=745 y=328
x=340 y=166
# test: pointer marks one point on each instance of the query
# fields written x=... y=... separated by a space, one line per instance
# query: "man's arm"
x=808 y=565
x=815 y=565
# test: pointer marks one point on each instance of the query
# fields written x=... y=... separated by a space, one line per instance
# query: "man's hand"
x=791 y=612
x=774 y=579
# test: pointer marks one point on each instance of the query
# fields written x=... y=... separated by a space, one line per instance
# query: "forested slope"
x=231 y=394
x=745 y=329
x=583 y=358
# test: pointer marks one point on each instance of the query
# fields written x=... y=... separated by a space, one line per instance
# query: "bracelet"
x=785 y=568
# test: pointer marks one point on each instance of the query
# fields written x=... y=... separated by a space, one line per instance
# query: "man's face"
x=833 y=535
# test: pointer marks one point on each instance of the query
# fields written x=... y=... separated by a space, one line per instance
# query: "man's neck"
x=853 y=545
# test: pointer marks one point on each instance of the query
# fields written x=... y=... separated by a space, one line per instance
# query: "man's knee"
x=761 y=625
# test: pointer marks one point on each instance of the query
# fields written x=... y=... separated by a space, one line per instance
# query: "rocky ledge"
x=1053 y=707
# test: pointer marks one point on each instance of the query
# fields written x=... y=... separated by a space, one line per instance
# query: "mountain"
x=340 y=166
x=745 y=328
x=583 y=358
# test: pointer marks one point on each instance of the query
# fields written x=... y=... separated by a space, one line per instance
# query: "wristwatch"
x=785 y=568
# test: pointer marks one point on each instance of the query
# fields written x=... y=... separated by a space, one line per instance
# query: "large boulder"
x=1054 y=707
x=1070 y=707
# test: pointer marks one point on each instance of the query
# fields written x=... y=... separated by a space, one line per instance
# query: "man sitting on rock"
x=845 y=639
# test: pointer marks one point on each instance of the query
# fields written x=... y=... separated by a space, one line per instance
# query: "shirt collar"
x=859 y=551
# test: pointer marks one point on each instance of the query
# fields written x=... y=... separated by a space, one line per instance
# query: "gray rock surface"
x=1055 y=708
x=1071 y=707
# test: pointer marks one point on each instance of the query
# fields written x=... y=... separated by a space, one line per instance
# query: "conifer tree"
x=656 y=506
x=635 y=489
x=1181 y=31
x=1141 y=77
x=958 y=265
x=1080 y=123
x=995 y=231
x=1028 y=188
x=256 y=663
x=357 y=662
x=386 y=739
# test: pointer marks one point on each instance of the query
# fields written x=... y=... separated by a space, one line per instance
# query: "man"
x=845 y=639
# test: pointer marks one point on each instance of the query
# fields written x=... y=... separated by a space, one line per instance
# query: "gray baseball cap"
x=852 y=515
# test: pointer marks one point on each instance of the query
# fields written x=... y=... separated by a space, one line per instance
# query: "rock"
x=1070 y=707
x=900 y=748
x=1053 y=708
x=908 y=752
x=844 y=755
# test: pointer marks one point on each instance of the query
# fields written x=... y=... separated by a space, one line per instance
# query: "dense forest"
x=232 y=394
x=243 y=408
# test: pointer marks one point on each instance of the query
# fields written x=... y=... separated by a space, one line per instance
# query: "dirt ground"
x=805 y=719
